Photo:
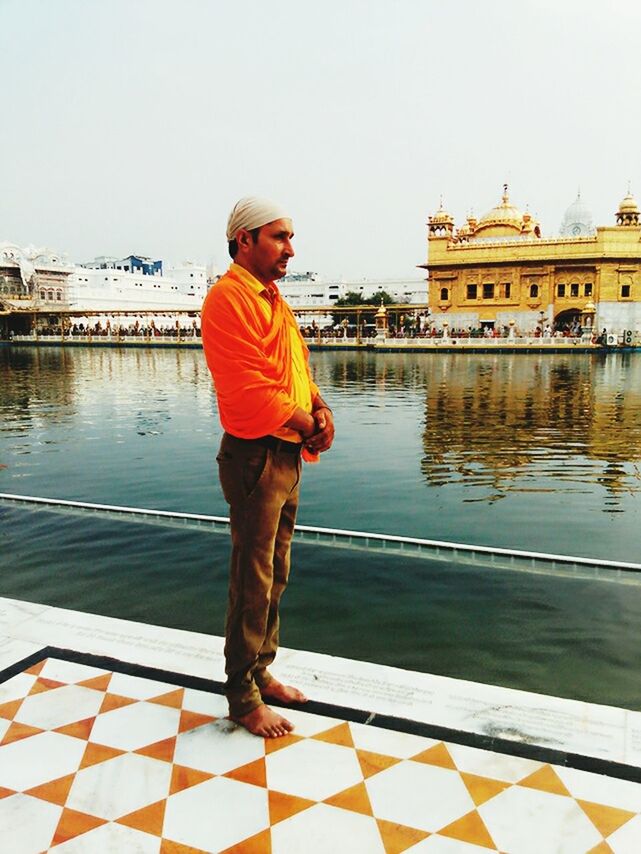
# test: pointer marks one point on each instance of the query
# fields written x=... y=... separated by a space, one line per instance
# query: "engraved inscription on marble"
x=634 y=737
x=139 y=641
x=14 y=611
x=368 y=689
x=539 y=725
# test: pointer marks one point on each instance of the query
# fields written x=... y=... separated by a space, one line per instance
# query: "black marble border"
x=506 y=746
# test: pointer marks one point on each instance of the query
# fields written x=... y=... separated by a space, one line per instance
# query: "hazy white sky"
x=134 y=125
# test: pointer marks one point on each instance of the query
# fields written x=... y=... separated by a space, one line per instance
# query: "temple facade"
x=499 y=271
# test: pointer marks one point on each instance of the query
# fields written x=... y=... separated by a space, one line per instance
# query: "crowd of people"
x=404 y=326
x=504 y=331
x=118 y=329
x=398 y=327
x=427 y=330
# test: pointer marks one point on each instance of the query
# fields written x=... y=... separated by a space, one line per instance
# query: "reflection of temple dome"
x=577 y=220
x=501 y=221
x=628 y=213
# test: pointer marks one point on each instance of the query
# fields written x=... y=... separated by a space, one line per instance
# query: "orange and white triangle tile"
x=93 y=761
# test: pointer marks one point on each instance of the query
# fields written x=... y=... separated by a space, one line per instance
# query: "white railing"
x=395 y=546
x=112 y=338
x=516 y=341
x=423 y=343
x=436 y=342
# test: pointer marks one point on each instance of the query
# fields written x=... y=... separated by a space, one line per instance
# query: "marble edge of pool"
x=490 y=712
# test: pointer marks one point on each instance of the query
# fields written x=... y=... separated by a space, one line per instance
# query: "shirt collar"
x=269 y=290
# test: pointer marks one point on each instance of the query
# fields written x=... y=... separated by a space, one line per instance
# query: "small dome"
x=441 y=224
x=501 y=219
x=628 y=213
x=530 y=225
x=629 y=204
x=577 y=220
x=441 y=215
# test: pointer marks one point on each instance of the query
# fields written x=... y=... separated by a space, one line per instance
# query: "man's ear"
x=243 y=238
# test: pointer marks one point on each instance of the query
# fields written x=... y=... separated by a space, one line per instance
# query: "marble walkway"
x=113 y=738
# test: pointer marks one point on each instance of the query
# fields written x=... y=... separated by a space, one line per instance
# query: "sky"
x=133 y=126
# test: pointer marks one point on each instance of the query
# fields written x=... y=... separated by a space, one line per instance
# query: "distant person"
x=272 y=414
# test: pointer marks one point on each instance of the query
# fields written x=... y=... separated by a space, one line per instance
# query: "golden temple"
x=500 y=271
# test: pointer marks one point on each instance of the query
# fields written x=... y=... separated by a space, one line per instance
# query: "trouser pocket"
x=241 y=469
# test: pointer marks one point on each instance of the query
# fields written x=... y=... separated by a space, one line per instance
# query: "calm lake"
x=529 y=451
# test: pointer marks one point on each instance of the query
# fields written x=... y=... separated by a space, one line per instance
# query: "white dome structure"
x=577 y=220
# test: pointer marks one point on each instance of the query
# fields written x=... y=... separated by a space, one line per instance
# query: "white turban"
x=252 y=212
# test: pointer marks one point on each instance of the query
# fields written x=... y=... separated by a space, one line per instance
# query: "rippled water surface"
x=534 y=451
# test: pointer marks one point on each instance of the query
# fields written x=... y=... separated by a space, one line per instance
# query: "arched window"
x=43 y=295
x=50 y=294
x=445 y=294
x=534 y=291
x=59 y=295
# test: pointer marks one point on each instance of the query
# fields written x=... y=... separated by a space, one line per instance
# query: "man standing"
x=272 y=414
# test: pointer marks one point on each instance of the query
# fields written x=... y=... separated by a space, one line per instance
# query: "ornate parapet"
x=30 y=259
x=25 y=271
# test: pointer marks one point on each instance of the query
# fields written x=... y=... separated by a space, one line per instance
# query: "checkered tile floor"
x=95 y=761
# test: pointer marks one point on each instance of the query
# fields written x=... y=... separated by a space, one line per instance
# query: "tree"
x=355 y=299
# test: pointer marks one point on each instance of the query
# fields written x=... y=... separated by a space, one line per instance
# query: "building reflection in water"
x=501 y=423
x=510 y=423
x=48 y=387
x=535 y=424
x=36 y=384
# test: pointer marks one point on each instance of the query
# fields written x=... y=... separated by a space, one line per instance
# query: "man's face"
x=270 y=254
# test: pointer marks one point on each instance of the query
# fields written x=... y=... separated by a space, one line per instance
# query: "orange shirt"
x=256 y=355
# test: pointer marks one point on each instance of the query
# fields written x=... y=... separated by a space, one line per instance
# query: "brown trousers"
x=260 y=485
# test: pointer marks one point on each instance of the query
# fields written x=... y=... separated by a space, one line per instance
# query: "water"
x=527 y=451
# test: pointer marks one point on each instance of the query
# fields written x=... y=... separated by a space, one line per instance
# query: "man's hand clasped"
x=321 y=440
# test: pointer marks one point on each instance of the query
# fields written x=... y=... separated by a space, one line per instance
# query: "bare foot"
x=275 y=690
x=264 y=722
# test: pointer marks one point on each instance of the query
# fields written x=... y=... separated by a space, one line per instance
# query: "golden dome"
x=629 y=204
x=502 y=219
x=441 y=215
x=628 y=213
x=441 y=224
